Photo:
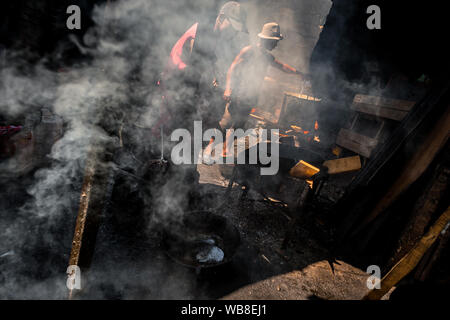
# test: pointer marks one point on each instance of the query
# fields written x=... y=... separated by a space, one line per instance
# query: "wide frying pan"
x=183 y=239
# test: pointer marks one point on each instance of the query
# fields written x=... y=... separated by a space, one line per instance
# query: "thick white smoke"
x=126 y=49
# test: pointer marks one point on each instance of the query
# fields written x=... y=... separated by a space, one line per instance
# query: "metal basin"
x=201 y=240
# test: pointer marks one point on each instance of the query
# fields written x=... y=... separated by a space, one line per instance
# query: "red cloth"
x=177 y=50
x=175 y=62
x=9 y=130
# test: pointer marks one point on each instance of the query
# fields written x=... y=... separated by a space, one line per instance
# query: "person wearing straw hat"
x=246 y=75
x=229 y=36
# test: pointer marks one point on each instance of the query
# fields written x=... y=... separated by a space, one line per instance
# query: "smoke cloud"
x=124 y=53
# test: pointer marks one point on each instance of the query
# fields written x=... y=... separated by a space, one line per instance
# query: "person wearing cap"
x=246 y=75
x=231 y=36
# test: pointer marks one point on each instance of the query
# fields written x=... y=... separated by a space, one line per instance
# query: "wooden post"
x=411 y=259
x=423 y=210
x=82 y=212
x=96 y=190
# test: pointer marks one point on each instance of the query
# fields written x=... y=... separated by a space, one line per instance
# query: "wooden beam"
x=423 y=211
x=301 y=96
x=377 y=111
x=96 y=190
x=411 y=259
x=444 y=239
x=343 y=165
x=263 y=115
x=356 y=142
x=382 y=107
x=381 y=102
x=303 y=170
x=83 y=209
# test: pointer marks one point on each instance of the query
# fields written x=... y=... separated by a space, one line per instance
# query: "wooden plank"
x=411 y=259
x=355 y=142
x=301 y=96
x=353 y=146
x=83 y=209
x=378 y=111
x=96 y=190
x=423 y=211
x=263 y=115
x=303 y=170
x=444 y=239
x=402 y=105
x=362 y=139
x=343 y=165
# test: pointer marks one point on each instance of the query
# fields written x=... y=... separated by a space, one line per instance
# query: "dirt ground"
x=128 y=266
x=303 y=270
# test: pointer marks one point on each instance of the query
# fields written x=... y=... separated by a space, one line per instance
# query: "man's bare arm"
x=286 y=68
